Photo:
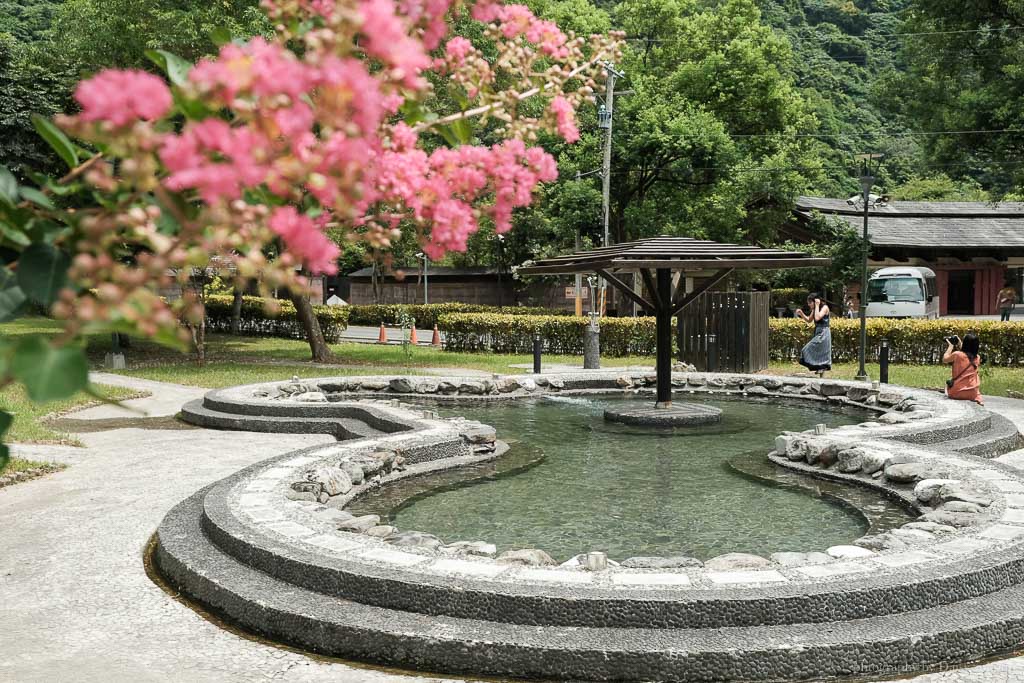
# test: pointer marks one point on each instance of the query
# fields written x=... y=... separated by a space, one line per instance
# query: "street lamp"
x=870 y=164
x=501 y=260
x=425 y=258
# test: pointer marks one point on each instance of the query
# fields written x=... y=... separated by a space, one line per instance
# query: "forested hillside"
x=730 y=108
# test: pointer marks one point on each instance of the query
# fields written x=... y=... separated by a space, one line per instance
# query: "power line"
x=866 y=36
x=894 y=134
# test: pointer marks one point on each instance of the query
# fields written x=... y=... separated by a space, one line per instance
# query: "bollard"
x=536 y=354
x=820 y=429
x=883 y=362
x=596 y=561
x=592 y=345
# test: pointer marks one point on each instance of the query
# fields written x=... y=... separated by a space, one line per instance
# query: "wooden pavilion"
x=656 y=259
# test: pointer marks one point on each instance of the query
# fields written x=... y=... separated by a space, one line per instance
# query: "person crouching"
x=965 y=384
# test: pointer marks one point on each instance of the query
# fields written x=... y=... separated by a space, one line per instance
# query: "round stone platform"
x=678 y=415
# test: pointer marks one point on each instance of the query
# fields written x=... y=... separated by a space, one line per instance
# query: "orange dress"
x=966 y=385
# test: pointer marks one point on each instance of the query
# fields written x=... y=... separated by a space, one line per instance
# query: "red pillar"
x=979 y=290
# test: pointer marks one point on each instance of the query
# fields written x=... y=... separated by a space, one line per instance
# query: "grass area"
x=28 y=424
x=244 y=360
x=17 y=470
x=995 y=381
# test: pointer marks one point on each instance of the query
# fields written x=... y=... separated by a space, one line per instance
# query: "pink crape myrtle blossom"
x=122 y=97
x=215 y=159
x=565 y=118
x=332 y=114
x=386 y=38
x=303 y=238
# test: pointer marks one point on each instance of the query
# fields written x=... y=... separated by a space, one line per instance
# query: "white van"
x=903 y=293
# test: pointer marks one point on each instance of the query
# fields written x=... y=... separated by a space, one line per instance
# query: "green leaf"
x=6 y=420
x=463 y=131
x=49 y=373
x=12 y=299
x=56 y=138
x=13 y=235
x=42 y=272
x=221 y=36
x=8 y=186
x=174 y=66
x=36 y=197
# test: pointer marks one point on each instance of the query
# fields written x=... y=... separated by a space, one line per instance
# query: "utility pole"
x=867 y=180
x=605 y=117
x=579 y=278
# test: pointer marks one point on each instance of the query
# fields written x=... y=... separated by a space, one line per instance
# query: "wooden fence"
x=725 y=332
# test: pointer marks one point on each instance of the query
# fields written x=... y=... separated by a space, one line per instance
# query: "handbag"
x=951 y=382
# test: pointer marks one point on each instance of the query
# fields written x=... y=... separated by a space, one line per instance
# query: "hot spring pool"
x=573 y=482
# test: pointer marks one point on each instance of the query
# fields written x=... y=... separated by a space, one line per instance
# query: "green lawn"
x=29 y=426
x=243 y=360
x=995 y=381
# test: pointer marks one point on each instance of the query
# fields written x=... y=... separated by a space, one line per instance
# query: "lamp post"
x=500 y=239
x=867 y=181
x=421 y=255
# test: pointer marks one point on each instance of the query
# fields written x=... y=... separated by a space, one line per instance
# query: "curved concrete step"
x=940 y=636
x=1001 y=437
x=341 y=428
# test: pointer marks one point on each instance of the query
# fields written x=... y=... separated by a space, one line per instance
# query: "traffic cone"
x=382 y=337
x=412 y=336
x=435 y=341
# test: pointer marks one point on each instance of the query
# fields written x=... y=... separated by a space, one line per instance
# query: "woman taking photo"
x=963 y=355
x=816 y=355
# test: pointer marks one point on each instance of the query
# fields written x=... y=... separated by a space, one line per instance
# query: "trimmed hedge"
x=426 y=315
x=255 y=322
x=498 y=333
x=910 y=340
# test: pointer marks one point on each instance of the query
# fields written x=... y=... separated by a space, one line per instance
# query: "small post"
x=592 y=344
x=596 y=561
x=115 y=359
x=883 y=362
x=536 y=353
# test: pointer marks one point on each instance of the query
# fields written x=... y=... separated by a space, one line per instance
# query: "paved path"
x=75 y=601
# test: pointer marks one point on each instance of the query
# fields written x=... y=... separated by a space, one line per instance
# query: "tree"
x=965 y=72
x=320 y=130
x=710 y=86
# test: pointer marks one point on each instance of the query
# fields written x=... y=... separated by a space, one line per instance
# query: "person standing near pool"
x=1006 y=299
x=816 y=355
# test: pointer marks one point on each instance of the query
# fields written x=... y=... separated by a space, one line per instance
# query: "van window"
x=895 y=289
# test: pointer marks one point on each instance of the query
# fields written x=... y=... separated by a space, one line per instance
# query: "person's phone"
x=954 y=340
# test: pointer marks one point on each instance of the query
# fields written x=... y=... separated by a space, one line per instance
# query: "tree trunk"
x=314 y=335
x=199 y=331
x=236 y=310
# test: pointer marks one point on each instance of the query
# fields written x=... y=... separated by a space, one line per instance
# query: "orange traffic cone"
x=382 y=337
x=435 y=341
x=413 y=339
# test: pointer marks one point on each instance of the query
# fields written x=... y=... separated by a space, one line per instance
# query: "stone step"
x=937 y=637
x=342 y=428
x=1001 y=437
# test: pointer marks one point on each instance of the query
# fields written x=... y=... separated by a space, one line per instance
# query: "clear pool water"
x=573 y=483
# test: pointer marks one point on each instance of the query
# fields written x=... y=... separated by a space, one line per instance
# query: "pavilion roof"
x=675 y=253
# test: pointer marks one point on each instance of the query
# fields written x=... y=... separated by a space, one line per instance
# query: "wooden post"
x=664 y=322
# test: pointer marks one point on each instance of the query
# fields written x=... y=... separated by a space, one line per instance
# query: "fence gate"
x=725 y=332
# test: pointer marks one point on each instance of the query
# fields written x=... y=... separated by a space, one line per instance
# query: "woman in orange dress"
x=965 y=384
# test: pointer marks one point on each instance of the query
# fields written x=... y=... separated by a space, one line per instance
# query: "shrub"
x=256 y=322
x=783 y=296
x=426 y=315
x=910 y=341
x=561 y=334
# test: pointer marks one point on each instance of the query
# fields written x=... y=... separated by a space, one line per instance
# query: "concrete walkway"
x=76 y=603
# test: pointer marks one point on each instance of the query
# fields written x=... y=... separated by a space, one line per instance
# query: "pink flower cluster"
x=518 y=20
x=215 y=159
x=441 y=190
x=565 y=118
x=122 y=97
x=306 y=239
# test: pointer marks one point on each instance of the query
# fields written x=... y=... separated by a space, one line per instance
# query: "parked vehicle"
x=903 y=293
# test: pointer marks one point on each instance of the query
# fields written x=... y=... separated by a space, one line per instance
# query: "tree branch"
x=495 y=106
